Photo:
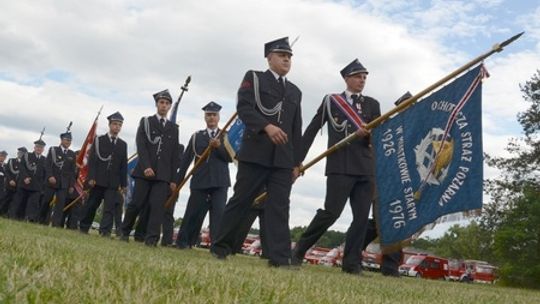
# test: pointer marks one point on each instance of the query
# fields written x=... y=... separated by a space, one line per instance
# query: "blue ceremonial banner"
x=174 y=112
x=233 y=140
x=429 y=159
x=131 y=182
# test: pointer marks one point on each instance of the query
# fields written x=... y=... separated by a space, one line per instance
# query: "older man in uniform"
x=156 y=171
x=11 y=170
x=210 y=180
x=349 y=171
x=60 y=167
x=30 y=184
x=269 y=105
x=107 y=175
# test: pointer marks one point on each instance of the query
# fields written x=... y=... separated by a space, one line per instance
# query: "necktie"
x=113 y=140
x=354 y=98
x=356 y=102
x=65 y=151
x=162 y=121
x=213 y=133
x=281 y=85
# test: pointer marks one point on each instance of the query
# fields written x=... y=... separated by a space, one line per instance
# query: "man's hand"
x=173 y=187
x=277 y=136
x=363 y=132
x=148 y=172
x=123 y=190
x=52 y=180
x=12 y=183
x=27 y=180
x=215 y=143
x=296 y=173
x=92 y=183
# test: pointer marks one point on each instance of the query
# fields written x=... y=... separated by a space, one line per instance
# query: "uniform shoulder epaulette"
x=369 y=98
x=256 y=72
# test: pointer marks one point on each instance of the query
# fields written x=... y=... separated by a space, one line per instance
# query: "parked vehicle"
x=205 y=241
x=425 y=266
x=372 y=257
x=333 y=258
x=471 y=271
x=485 y=273
x=255 y=248
x=315 y=254
x=246 y=246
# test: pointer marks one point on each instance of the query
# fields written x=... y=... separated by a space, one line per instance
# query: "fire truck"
x=333 y=258
x=205 y=241
x=471 y=271
x=372 y=257
x=315 y=254
x=425 y=266
x=250 y=239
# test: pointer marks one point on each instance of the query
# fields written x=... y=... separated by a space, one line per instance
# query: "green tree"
x=517 y=242
x=469 y=242
x=329 y=239
x=513 y=215
x=178 y=222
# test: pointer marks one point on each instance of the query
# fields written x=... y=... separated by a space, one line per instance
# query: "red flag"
x=82 y=158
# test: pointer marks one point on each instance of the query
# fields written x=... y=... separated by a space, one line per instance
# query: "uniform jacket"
x=256 y=145
x=357 y=157
x=162 y=158
x=110 y=173
x=62 y=167
x=37 y=176
x=2 y=179
x=12 y=172
x=214 y=171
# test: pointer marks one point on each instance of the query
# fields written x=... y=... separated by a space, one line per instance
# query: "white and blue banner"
x=233 y=140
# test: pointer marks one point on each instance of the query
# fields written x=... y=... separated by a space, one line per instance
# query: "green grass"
x=45 y=265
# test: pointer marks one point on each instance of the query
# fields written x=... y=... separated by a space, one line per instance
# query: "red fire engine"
x=425 y=266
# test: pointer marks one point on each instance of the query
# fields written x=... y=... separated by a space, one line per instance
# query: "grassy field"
x=46 y=265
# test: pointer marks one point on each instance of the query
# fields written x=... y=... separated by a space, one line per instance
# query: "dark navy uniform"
x=26 y=201
x=209 y=184
x=157 y=148
x=61 y=164
x=257 y=210
x=2 y=178
x=391 y=261
x=263 y=100
x=107 y=166
x=350 y=174
x=167 y=226
x=11 y=170
x=73 y=214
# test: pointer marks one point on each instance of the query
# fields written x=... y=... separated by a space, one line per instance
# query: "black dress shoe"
x=390 y=274
x=353 y=271
x=283 y=266
x=218 y=256
x=296 y=261
x=150 y=243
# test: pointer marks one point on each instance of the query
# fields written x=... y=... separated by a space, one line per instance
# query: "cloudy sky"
x=60 y=61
